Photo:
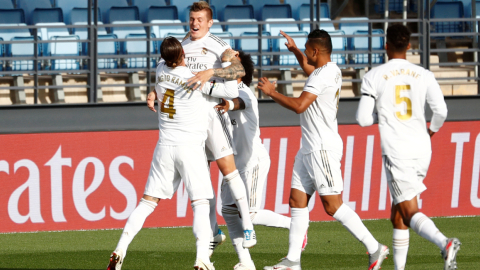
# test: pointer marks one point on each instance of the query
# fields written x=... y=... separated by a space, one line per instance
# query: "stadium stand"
x=29 y=6
x=300 y=38
x=258 y=6
x=304 y=12
x=182 y=7
x=79 y=16
x=176 y=35
x=106 y=48
x=162 y=13
x=339 y=45
x=393 y=5
x=65 y=49
x=238 y=29
x=138 y=47
x=105 y=6
x=325 y=24
x=47 y=15
x=163 y=28
x=221 y=4
x=238 y=12
x=6 y=4
x=350 y=27
x=227 y=37
x=251 y=46
x=21 y=50
x=144 y=6
x=443 y=10
x=12 y=16
x=360 y=42
x=68 y=5
x=117 y=14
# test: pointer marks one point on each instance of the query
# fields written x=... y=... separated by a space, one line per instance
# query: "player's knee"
x=229 y=210
x=330 y=209
x=296 y=203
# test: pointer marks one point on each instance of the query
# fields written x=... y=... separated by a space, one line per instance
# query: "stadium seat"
x=47 y=15
x=46 y=33
x=164 y=27
x=6 y=4
x=79 y=16
x=1 y=55
x=339 y=45
x=237 y=12
x=393 y=5
x=220 y=6
x=216 y=27
x=21 y=50
x=251 y=46
x=304 y=12
x=182 y=7
x=350 y=27
x=105 y=6
x=106 y=48
x=325 y=24
x=276 y=11
x=29 y=6
x=144 y=5
x=258 y=6
x=360 y=42
x=9 y=33
x=12 y=16
x=442 y=10
x=117 y=14
x=68 y=5
x=138 y=47
x=65 y=49
x=238 y=29
x=274 y=29
x=122 y=31
x=162 y=13
x=300 y=38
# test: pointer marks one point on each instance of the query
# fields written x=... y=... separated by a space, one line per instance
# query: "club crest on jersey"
x=204 y=51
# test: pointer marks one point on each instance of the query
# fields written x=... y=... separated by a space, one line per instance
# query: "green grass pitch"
x=330 y=246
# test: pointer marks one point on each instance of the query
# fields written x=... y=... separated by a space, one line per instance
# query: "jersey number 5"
x=170 y=96
x=403 y=115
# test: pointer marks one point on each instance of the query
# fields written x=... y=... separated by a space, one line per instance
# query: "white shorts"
x=318 y=171
x=405 y=177
x=219 y=141
x=173 y=163
x=255 y=178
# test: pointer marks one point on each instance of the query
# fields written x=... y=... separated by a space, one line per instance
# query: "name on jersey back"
x=175 y=80
x=397 y=72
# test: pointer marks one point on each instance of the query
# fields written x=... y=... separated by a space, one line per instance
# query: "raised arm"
x=302 y=59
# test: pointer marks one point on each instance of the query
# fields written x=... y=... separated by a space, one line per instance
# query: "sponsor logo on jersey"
x=204 y=51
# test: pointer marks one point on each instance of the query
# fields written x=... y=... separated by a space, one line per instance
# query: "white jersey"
x=400 y=89
x=246 y=130
x=319 y=121
x=204 y=54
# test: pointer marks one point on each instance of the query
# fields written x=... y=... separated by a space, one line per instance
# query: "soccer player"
x=179 y=154
x=399 y=90
x=317 y=164
x=253 y=163
x=203 y=51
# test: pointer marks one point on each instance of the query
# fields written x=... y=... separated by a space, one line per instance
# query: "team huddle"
x=207 y=113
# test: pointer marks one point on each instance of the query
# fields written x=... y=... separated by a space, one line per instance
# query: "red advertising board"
x=93 y=180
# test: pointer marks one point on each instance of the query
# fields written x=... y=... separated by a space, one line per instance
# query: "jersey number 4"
x=169 y=97
x=403 y=101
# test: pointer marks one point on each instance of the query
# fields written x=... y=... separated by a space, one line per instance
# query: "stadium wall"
x=84 y=167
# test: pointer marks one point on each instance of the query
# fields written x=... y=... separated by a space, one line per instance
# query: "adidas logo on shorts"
x=224 y=148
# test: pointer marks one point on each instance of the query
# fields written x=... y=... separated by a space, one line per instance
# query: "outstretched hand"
x=222 y=106
x=291 y=46
x=152 y=96
x=266 y=86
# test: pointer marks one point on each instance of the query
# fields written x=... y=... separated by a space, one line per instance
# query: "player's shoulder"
x=325 y=70
x=216 y=42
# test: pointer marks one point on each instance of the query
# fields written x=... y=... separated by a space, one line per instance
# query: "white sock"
x=355 y=226
x=213 y=215
x=201 y=228
x=298 y=229
x=135 y=223
x=400 y=244
x=239 y=193
x=270 y=218
x=425 y=227
x=235 y=230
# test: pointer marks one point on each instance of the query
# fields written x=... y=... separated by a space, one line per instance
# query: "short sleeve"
x=314 y=85
x=246 y=97
x=368 y=87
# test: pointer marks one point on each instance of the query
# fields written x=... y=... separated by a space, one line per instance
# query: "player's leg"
x=401 y=239
x=255 y=178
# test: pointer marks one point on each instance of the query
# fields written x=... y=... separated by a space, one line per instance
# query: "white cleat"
x=116 y=260
x=243 y=266
x=200 y=265
x=284 y=264
x=376 y=259
x=449 y=253
x=249 y=238
x=216 y=241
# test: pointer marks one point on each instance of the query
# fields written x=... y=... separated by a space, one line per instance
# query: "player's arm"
x=302 y=59
x=231 y=105
x=228 y=89
x=365 y=113
x=437 y=103
x=152 y=96
x=298 y=105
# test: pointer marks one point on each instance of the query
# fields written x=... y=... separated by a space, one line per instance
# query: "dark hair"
x=247 y=63
x=398 y=37
x=321 y=38
x=171 y=51
x=202 y=5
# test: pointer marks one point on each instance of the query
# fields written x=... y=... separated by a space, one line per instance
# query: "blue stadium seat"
x=178 y=36
x=339 y=45
x=162 y=13
x=295 y=4
x=300 y=38
x=144 y=5
x=6 y=4
x=122 y=31
x=47 y=15
x=276 y=11
x=105 y=6
x=165 y=28
x=393 y=5
x=274 y=29
x=325 y=24
x=227 y=37
x=1 y=55
x=350 y=27
x=68 y=5
x=304 y=11
x=442 y=10
x=237 y=30
x=106 y=48
x=21 y=50
x=258 y=6
x=123 y=14
x=237 y=12
x=216 y=27
x=182 y=7
x=80 y=15
x=29 y=6
x=8 y=34
x=220 y=6
x=65 y=49
x=251 y=46
x=138 y=47
x=46 y=33
x=361 y=43
x=11 y=16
